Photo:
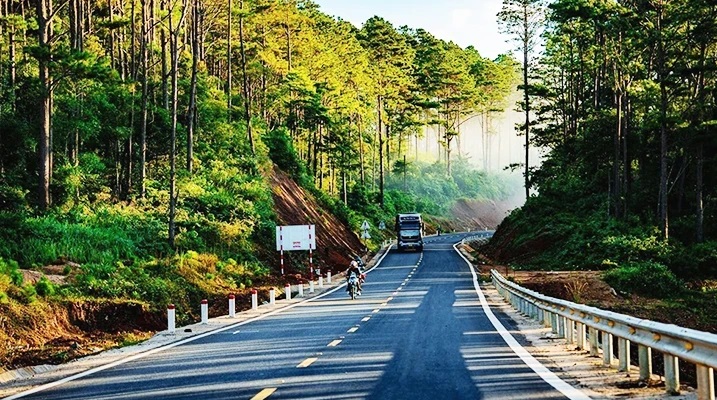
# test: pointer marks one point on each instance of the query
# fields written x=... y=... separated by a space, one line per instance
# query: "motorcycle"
x=353 y=283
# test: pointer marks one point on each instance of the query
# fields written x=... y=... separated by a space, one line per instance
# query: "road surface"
x=419 y=331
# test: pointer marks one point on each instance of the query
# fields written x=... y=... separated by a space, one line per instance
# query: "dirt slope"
x=294 y=206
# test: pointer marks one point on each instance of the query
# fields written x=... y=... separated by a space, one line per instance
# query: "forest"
x=622 y=96
x=137 y=137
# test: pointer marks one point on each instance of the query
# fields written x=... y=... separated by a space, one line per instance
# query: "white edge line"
x=542 y=371
x=138 y=356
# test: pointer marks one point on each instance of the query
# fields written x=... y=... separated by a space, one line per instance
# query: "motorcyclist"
x=355 y=268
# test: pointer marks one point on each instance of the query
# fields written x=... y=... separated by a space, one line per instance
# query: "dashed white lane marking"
x=390 y=298
x=352 y=330
x=334 y=343
x=375 y=311
x=365 y=319
x=307 y=362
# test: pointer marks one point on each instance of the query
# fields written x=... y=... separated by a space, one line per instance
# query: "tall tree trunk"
x=144 y=50
x=617 y=142
x=229 y=60
x=361 y=151
x=174 y=39
x=661 y=59
x=245 y=79
x=526 y=98
x=165 y=74
x=44 y=14
x=192 y=112
x=380 y=152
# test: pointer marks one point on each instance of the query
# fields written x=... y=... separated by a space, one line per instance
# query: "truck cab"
x=409 y=232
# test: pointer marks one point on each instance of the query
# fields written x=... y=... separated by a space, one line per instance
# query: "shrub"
x=645 y=278
x=44 y=287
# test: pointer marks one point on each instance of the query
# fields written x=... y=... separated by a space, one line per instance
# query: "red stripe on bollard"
x=253 y=291
x=231 y=296
x=170 y=307
x=205 y=301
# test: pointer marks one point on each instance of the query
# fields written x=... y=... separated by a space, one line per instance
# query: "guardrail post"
x=672 y=374
x=581 y=335
x=547 y=318
x=607 y=355
x=272 y=296
x=205 y=312
x=541 y=315
x=705 y=383
x=644 y=358
x=593 y=337
x=232 y=306
x=561 y=326
x=570 y=332
x=623 y=355
x=554 y=323
x=311 y=286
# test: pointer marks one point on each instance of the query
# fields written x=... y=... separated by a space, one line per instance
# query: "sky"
x=465 y=22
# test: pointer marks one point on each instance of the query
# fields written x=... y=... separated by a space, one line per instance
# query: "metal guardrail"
x=569 y=320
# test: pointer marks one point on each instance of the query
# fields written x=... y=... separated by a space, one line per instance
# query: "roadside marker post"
x=205 y=312
x=272 y=296
x=311 y=286
x=287 y=291
x=301 y=290
x=232 y=306
x=321 y=281
x=170 y=318
x=328 y=276
x=254 y=300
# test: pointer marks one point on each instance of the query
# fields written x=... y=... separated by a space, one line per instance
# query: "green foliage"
x=44 y=287
x=645 y=278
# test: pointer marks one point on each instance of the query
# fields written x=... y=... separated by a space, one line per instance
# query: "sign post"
x=364 y=232
x=296 y=237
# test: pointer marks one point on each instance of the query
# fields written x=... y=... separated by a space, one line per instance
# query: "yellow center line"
x=352 y=330
x=264 y=394
x=334 y=343
x=307 y=362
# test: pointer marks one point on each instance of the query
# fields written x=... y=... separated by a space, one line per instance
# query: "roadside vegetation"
x=627 y=185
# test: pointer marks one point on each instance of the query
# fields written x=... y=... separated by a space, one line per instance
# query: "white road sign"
x=295 y=237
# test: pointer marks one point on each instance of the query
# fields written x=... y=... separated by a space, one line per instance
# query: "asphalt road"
x=419 y=331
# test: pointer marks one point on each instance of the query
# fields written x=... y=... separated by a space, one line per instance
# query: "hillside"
x=57 y=331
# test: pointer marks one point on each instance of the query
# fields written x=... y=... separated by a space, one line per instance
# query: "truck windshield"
x=410 y=232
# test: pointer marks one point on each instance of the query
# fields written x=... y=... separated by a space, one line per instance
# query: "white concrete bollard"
x=170 y=318
x=205 y=311
x=232 y=306
x=311 y=286
x=321 y=281
x=328 y=277
x=272 y=296
x=301 y=290
x=287 y=291
x=254 y=300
